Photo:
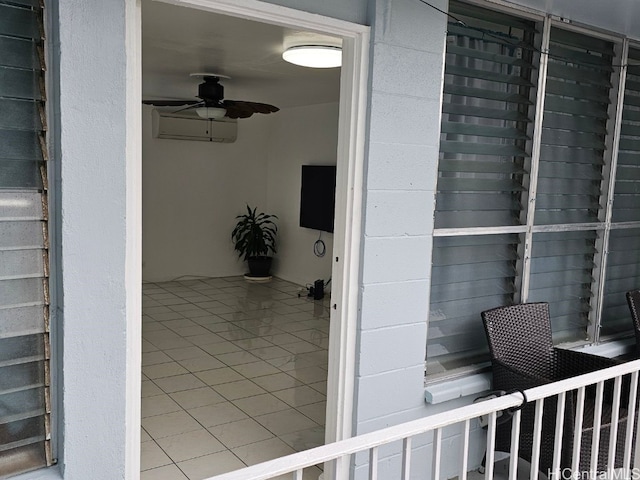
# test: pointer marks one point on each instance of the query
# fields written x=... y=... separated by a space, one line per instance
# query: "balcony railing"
x=338 y=456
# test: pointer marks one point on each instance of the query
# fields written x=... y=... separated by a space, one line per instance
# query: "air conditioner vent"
x=188 y=127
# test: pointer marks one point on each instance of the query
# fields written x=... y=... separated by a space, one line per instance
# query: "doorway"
x=196 y=309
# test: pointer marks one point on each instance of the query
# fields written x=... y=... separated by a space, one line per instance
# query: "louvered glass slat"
x=19 y=22
x=19 y=83
x=21 y=264
x=20 y=377
x=554 y=153
x=470 y=274
x=24 y=291
x=573 y=123
x=582 y=43
x=22 y=459
x=566 y=52
x=20 y=174
x=561 y=274
x=579 y=73
x=482 y=112
x=22 y=405
x=19 y=53
x=24 y=316
x=485 y=93
x=20 y=145
x=21 y=350
x=491 y=56
x=572 y=139
x=571 y=156
x=23 y=320
x=19 y=115
x=482 y=130
x=623 y=274
x=574 y=106
x=21 y=235
x=486 y=75
x=478 y=166
x=493 y=149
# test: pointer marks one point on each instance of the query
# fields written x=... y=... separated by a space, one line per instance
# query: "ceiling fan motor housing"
x=211 y=91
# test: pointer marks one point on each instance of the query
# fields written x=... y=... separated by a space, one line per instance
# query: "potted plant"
x=254 y=238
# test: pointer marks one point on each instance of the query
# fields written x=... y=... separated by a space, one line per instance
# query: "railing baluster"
x=373 y=463
x=297 y=475
x=491 y=447
x=515 y=445
x=577 y=430
x=557 y=440
x=406 y=458
x=595 y=436
x=537 y=436
x=464 y=451
x=437 y=451
x=338 y=468
x=628 y=442
x=613 y=429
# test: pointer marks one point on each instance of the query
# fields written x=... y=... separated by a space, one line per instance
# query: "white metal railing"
x=337 y=455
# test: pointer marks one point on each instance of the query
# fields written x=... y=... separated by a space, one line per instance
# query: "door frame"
x=349 y=188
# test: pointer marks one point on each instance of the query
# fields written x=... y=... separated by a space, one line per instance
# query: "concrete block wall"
x=401 y=171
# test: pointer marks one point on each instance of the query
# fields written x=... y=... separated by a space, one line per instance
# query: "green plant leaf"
x=254 y=234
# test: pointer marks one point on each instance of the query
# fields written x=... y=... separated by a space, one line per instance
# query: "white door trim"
x=350 y=171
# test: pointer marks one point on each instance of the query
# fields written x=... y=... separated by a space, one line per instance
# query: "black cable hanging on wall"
x=319 y=248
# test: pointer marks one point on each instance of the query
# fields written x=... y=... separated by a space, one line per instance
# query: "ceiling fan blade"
x=193 y=105
x=171 y=103
x=242 y=109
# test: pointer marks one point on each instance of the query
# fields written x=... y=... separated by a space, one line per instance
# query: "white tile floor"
x=233 y=374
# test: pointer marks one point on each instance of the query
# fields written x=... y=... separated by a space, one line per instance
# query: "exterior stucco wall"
x=95 y=193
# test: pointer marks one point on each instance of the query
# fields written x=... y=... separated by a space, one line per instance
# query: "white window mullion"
x=608 y=192
x=535 y=160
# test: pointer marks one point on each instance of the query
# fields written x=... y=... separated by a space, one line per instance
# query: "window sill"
x=51 y=473
x=481 y=382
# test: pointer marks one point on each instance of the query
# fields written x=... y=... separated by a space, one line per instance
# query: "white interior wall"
x=300 y=136
x=192 y=191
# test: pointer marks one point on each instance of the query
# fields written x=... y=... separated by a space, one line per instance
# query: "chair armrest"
x=569 y=363
x=507 y=377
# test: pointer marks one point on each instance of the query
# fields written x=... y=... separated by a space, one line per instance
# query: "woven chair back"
x=520 y=335
x=633 y=299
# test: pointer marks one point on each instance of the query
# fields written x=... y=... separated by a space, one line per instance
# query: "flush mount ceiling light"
x=314 y=56
x=213 y=113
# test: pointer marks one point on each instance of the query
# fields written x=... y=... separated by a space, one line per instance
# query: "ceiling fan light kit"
x=314 y=56
x=212 y=113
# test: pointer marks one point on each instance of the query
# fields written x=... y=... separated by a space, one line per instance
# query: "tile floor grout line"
x=283 y=317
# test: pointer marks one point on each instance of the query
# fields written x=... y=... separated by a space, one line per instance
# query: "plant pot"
x=259 y=266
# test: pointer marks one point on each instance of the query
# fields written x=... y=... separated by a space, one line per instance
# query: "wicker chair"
x=633 y=299
x=523 y=356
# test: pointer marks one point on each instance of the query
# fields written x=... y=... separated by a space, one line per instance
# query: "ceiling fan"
x=212 y=103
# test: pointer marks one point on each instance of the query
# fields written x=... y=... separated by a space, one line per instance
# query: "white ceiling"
x=177 y=41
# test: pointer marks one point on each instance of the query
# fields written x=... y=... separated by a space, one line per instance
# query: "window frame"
x=603 y=227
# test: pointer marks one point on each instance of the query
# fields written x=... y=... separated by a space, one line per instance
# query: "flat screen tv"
x=318 y=197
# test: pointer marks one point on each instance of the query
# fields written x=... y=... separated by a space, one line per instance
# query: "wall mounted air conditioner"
x=180 y=126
